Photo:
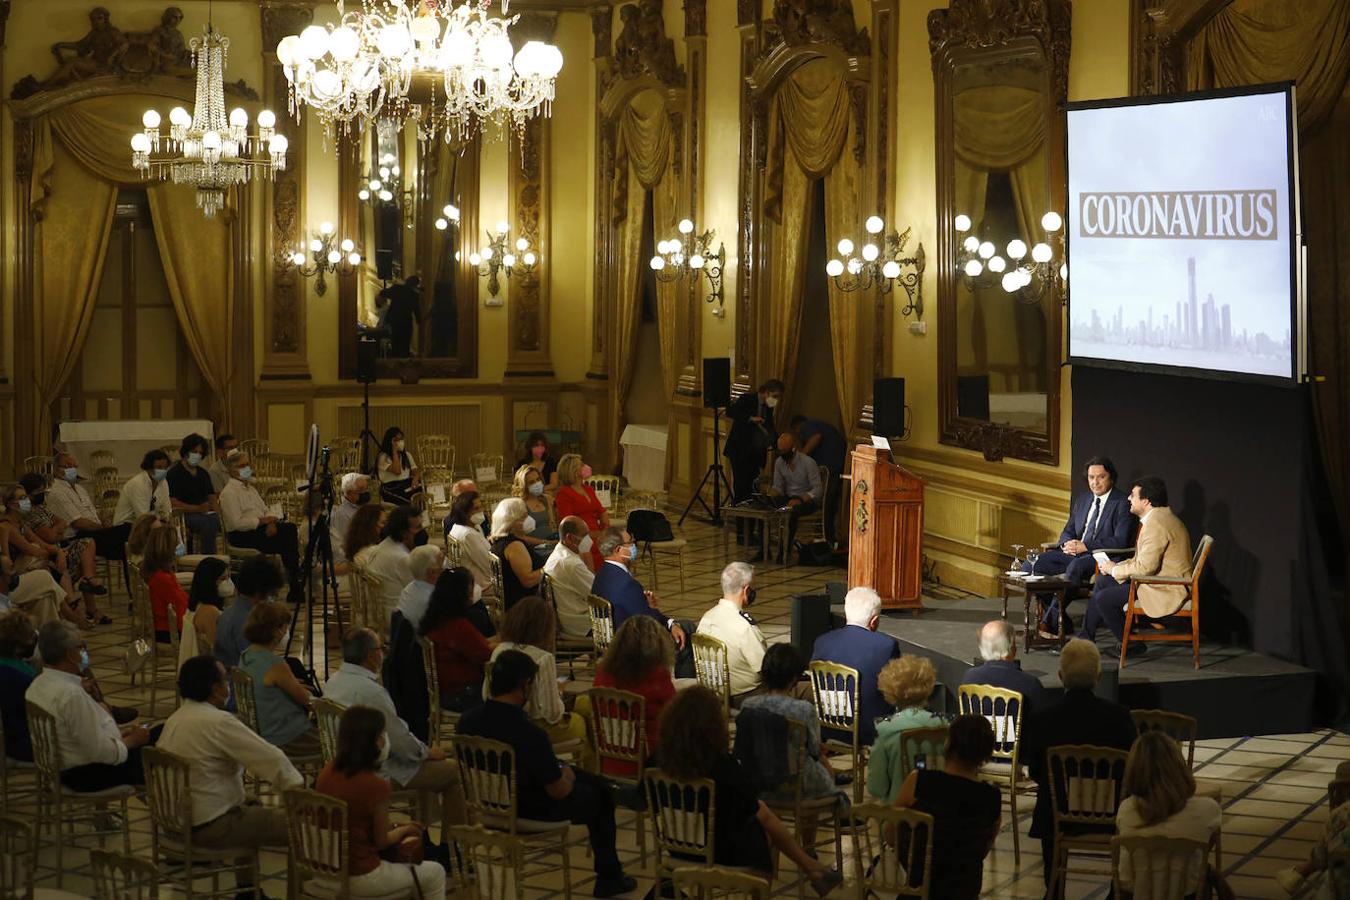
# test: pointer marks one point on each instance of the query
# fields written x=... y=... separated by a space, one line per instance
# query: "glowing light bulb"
x=1017 y=249
x=354 y=259
x=854 y=266
x=150 y=119
x=326 y=228
x=686 y=226
x=238 y=117
x=441 y=224
x=658 y=263
x=347 y=245
x=179 y=116
x=451 y=212
x=487 y=252
x=522 y=245
x=1011 y=283
x=997 y=264
x=874 y=225
x=845 y=247
x=961 y=223
x=834 y=268
x=508 y=259
x=974 y=267
x=891 y=270
x=298 y=258
x=1051 y=221
x=986 y=250
x=363 y=194
x=696 y=261
x=316 y=245
x=502 y=227
x=1041 y=253
x=334 y=257
x=971 y=243
x=267 y=119
x=140 y=143
x=474 y=259
x=870 y=252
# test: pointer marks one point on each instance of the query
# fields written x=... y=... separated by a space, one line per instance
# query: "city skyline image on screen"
x=1180 y=234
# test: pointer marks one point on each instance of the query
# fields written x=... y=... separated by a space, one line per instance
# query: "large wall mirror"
x=1000 y=74
x=416 y=293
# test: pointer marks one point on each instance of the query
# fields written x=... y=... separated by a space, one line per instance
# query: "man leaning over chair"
x=411 y=765
x=615 y=583
x=219 y=747
x=1164 y=548
x=1098 y=520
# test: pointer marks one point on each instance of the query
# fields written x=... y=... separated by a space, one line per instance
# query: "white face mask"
x=527 y=525
x=771 y=401
x=476 y=519
x=383 y=756
x=585 y=546
x=398 y=445
x=536 y=489
x=225 y=589
x=477 y=592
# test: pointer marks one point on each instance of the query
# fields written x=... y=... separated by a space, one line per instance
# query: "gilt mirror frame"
x=417 y=244
x=975 y=32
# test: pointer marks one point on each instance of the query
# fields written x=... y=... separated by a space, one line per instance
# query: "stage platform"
x=1234 y=693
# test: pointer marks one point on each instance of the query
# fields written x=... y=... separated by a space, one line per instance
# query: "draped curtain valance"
x=809 y=115
x=81 y=155
x=998 y=126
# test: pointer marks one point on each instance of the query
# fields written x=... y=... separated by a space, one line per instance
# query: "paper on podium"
x=1103 y=560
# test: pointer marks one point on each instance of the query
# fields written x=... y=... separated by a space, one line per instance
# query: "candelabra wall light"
x=1026 y=274
x=328 y=255
x=449 y=218
x=495 y=259
x=689 y=254
x=880 y=265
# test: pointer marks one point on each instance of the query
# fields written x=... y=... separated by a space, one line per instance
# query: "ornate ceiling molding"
x=978 y=24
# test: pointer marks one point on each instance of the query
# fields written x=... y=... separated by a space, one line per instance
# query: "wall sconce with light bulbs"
x=689 y=253
x=1025 y=274
x=449 y=218
x=328 y=254
x=880 y=265
x=383 y=186
x=495 y=258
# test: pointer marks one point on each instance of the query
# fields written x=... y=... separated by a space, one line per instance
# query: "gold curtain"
x=810 y=116
x=70 y=243
x=1261 y=41
x=643 y=162
x=80 y=156
x=197 y=255
x=443 y=192
x=781 y=304
x=851 y=315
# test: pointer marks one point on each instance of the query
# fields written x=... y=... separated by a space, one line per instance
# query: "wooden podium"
x=885 y=515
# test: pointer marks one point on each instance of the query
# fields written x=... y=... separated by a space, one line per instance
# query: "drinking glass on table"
x=1017 y=556
x=1032 y=555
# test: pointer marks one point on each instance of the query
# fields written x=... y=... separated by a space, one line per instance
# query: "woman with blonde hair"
x=532 y=628
x=906 y=684
x=1160 y=800
x=641 y=660
x=521 y=573
x=577 y=498
x=528 y=487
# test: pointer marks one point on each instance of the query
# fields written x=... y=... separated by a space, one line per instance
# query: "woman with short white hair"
x=511 y=521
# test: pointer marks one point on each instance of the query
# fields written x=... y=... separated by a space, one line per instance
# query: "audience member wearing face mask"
x=577 y=498
x=511 y=524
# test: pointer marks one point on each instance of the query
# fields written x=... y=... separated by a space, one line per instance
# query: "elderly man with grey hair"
x=355 y=494
x=614 y=582
x=96 y=753
x=1078 y=716
x=1002 y=668
x=729 y=622
x=411 y=765
x=860 y=646
x=425 y=564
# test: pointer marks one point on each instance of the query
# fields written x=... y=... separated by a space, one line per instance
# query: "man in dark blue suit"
x=858 y=646
x=615 y=582
x=1002 y=668
x=1098 y=520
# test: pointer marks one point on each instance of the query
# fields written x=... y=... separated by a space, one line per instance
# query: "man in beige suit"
x=1163 y=548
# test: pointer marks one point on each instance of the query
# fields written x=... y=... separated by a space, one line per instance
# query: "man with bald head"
x=570 y=576
x=796 y=477
x=1002 y=668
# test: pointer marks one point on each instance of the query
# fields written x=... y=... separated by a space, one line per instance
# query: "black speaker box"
x=365 y=361
x=717 y=382
x=384 y=264
x=810 y=619
x=888 y=407
x=972 y=397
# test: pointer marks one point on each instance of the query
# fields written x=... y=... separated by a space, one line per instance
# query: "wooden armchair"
x=1189 y=611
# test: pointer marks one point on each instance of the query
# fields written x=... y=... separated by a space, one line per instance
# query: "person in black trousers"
x=750 y=439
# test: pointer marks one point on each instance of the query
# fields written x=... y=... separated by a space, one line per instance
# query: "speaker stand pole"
x=718 y=477
x=366 y=435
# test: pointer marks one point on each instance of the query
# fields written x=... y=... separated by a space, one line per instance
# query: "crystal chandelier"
x=204 y=149
x=363 y=68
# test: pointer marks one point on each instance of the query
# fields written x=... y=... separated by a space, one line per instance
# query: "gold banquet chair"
x=835 y=689
x=1189 y=611
x=890 y=847
x=1085 y=790
x=1003 y=709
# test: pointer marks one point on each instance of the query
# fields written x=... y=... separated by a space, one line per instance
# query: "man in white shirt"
x=355 y=494
x=389 y=562
x=571 y=577
x=147 y=491
x=219 y=470
x=69 y=500
x=248 y=522
x=732 y=625
x=411 y=765
x=95 y=753
x=425 y=564
x=218 y=747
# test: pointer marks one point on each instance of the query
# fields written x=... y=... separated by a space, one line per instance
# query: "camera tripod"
x=318 y=548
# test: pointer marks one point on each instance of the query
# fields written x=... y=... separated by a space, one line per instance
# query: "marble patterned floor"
x=1274 y=786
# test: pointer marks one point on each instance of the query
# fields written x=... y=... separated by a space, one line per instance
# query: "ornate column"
x=689 y=382
x=742 y=375
x=4 y=194
x=284 y=334
x=602 y=20
x=527 y=351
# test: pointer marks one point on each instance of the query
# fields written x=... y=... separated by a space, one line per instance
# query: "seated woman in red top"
x=576 y=498
x=461 y=650
x=639 y=660
x=351 y=777
x=159 y=569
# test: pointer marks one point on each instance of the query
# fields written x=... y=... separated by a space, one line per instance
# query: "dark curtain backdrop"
x=1241 y=463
